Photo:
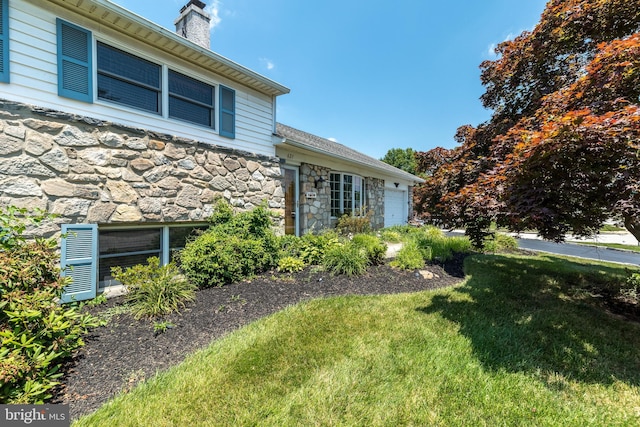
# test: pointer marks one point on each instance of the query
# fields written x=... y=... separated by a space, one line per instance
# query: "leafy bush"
x=346 y=259
x=289 y=264
x=290 y=245
x=37 y=333
x=391 y=236
x=353 y=224
x=500 y=242
x=374 y=249
x=154 y=290
x=235 y=247
x=410 y=257
x=314 y=246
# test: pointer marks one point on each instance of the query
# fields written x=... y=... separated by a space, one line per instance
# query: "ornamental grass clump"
x=374 y=249
x=154 y=290
x=500 y=242
x=410 y=257
x=349 y=259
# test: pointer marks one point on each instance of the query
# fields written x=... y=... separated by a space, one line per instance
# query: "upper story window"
x=347 y=194
x=191 y=100
x=4 y=41
x=128 y=80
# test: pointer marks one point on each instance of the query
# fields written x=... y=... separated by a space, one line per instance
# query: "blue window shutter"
x=4 y=41
x=79 y=260
x=227 y=112
x=74 y=62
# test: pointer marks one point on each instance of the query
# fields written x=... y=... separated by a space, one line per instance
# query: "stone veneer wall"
x=93 y=171
x=316 y=213
x=375 y=201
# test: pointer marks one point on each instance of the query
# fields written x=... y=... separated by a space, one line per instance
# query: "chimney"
x=193 y=23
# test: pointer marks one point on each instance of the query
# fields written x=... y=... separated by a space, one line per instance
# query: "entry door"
x=290 y=201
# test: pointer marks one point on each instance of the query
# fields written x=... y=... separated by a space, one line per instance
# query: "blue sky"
x=373 y=75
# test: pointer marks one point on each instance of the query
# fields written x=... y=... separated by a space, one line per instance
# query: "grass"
x=518 y=343
x=634 y=248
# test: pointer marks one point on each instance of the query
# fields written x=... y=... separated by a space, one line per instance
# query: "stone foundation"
x=93 y=171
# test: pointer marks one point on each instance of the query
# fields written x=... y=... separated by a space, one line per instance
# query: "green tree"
x=402 y=159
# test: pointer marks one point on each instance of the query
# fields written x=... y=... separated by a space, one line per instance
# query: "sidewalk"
x=622 y=238
x=619 y=237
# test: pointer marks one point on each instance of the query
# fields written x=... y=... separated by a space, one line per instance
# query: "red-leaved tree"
x=561 y=152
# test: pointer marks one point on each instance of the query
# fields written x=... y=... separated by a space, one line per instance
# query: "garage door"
x=395 y=207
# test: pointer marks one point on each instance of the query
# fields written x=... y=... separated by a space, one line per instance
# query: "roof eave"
x=142 y=29
x=404 y=175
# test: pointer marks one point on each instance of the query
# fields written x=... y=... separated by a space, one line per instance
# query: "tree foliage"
x=402 y=159
x=561 y=152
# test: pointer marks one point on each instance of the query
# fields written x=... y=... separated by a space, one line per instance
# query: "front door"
x=290 y=201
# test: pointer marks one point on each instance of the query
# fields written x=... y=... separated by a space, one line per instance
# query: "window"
x=4 y=41
x=126 y=248
x=74 y=62
x=128 y=80
x=132 y=246
x=191 y=100
x=347 y=194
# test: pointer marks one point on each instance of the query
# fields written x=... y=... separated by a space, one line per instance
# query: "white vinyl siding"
x=34 y=80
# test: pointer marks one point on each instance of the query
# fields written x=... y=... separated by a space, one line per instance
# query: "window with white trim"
x=347 y=194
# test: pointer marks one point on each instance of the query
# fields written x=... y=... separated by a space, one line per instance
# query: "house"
x=129 y=131
x=324 y=180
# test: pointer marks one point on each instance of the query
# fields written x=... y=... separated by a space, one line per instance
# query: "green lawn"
x=520 y=342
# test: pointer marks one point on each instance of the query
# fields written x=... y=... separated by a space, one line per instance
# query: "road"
x=576 y=250
x=581 y=251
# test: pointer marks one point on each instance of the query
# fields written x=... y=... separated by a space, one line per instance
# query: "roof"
x=330 y=148
x=119 y=19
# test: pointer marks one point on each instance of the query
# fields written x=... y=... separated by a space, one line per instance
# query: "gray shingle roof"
x=334 y=149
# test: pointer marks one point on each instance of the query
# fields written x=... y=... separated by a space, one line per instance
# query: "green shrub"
x=314 y=246
x=374 y=249
x=215 y=259
x=410 y=257
x=289 y=264
x=346 y=259
x=154 y=290
x=391 y=236
x=353 y=224
x=500 y=243
x=435 y=245
x=236 y=246
x=37 y=333
x=289 y=245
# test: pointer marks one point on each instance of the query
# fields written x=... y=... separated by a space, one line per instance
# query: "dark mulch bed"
x=126 y=351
